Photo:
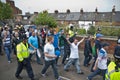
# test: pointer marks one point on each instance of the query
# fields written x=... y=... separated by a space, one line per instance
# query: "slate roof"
x=87 y=16
x=74 y=16
x=59 y=16
x=116 y=17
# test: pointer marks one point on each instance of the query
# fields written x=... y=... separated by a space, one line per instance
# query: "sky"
x=62 y=5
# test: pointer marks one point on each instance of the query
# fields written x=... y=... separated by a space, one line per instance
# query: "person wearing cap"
x=23 y=59
x=97 y=48
x=100 y=66
x=113 y=72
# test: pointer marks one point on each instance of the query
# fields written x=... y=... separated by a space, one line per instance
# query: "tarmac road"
x=7 y=71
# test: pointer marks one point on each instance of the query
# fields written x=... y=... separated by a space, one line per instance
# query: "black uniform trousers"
x=27 y=66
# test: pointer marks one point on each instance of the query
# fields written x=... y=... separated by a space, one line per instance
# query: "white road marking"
x=64 y=78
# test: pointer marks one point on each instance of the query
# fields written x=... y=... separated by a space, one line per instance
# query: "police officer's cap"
x=117 y=55
x=118 y=41
x=24 y=37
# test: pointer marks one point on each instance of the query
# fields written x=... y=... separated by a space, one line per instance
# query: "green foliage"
x=110 y=31
x=45 y=19
x=91 y=30
x=5 y=11
x=81 y=31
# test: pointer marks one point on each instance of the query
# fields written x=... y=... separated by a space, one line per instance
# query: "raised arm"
x=81 y=40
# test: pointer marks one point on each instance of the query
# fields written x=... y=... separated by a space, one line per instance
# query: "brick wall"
x=15 y=9
x=112 y=43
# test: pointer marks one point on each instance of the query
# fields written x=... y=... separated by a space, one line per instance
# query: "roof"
x=59 y=16
x=88 y=16
x=73 y=16
x=116 y=17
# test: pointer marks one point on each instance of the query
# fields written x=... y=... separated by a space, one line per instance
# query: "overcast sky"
x=62 y=5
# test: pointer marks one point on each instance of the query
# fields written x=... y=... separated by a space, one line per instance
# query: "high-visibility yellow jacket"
x=111 y=73
x=22 y=51
x=71 y=33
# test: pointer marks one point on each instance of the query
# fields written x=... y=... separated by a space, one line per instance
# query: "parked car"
x=28 y=26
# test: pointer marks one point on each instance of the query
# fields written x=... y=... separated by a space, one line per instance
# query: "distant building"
x=15 y=9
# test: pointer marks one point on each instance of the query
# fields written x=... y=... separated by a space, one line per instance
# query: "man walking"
x=74 y=56
x=101 y=63
x=33 y=42
x=23 y=59
x=50 y=57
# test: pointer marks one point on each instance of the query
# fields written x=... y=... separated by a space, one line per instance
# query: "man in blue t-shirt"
x=33 y=42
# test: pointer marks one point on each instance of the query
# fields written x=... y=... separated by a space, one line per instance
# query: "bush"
x=81 y=31
x=91 y=30
x=110 y=31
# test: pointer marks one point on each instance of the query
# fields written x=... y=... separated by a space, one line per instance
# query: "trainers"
x=19 y=77
x=9 y=62
x=32 y=79
x=43 y=75
x=88 y=78
x=80 y=72
x=59 y=78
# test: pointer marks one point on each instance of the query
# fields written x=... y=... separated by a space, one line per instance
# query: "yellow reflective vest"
x=71 y=33
x=22 y=51
x=111 y=73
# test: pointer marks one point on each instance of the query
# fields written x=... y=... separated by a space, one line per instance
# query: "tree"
x=44 y=18
x=5 y=11
x=91 y=30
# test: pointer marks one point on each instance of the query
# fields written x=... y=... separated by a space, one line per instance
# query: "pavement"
x=7 y=70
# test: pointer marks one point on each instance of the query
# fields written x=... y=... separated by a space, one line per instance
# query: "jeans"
x=38 y=59
x=87 y=59
x=98 y=71
x=66 y=54
x=95 y=58
x=8 y=52
x=54 y=67
x=27 y=67
x=62 y=50
x=75 y=62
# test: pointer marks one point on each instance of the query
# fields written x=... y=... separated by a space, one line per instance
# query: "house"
x=15 y=9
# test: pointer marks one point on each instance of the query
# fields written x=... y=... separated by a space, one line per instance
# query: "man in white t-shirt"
x=101 y=63
x=74 y=56
x=49 y=52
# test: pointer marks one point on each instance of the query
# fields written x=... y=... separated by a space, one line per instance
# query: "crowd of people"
x=48 y=45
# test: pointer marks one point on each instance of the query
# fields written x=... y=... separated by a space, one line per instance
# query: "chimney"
x=27 y=13
x=81 y=11
x=68 y=11
x=96 y=10
x=113 y=10
x=56 y=12
x=36 y=13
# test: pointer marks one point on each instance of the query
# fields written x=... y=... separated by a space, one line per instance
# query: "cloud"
x=62 y=5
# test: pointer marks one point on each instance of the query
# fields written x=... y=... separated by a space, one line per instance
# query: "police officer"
x=23 y=59
x=113 y=72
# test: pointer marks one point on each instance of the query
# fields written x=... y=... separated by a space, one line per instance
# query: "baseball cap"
x=99 y=35
x=118 y=41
